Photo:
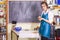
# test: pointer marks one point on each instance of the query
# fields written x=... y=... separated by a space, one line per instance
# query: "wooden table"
x=25 y=34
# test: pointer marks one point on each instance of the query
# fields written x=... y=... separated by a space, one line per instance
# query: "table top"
x=57 y=27
x=27 y=34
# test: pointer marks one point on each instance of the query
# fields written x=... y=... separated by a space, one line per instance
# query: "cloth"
x=52 y=33
x=45 y=27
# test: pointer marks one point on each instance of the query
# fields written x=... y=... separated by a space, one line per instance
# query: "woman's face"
x=44 y=7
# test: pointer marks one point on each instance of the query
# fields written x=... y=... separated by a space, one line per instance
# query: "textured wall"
x=22 y=11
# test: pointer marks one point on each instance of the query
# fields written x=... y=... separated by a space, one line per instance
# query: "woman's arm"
x=47 y=21
x=39 y=18
x=50 y=17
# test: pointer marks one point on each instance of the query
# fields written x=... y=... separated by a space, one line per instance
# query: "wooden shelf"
x=57 y=16
x=1 y=33
x=1 y=16
x=56 y=7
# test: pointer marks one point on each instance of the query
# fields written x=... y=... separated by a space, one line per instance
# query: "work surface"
x=27 y=34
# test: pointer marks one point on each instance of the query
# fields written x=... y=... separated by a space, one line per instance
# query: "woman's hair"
x=44 y=3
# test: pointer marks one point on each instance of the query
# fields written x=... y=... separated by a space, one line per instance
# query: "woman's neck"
x=46 y=10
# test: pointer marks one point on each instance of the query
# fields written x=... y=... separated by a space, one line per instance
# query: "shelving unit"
x=3 y=19
x=57 y=20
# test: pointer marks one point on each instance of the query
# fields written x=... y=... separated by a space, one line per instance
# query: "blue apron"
x=45 y=28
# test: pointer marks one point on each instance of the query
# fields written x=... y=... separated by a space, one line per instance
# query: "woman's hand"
x=39 y=18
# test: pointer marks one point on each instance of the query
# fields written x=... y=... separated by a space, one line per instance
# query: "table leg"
x=17 y=37
x=12 y=35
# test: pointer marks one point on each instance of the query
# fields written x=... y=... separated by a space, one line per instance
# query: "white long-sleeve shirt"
x=50 y=15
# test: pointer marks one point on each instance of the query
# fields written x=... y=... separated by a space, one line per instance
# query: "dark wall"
x=22 y=11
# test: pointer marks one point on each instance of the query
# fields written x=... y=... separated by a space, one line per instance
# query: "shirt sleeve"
x=50 y=16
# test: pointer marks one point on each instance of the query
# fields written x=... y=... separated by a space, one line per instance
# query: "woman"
x=46 y=19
